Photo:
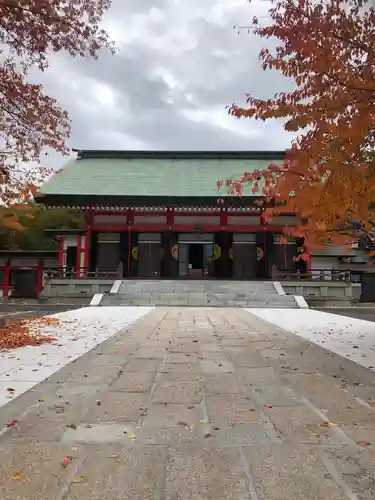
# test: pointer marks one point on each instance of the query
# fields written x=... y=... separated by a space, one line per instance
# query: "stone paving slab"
x=224 y=383
x=120 y=474
x=48 y=421
x=117 y=407
x=275 y=396
x=284 y=472
x=172 y=425
x=195 y=403
x=210 y=474
x=357 y=468
x=177 y=393
x=38 y=467
x=144 y=365
x=133 y=382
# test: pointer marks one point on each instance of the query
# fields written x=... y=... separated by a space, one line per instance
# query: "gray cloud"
x=179 y=65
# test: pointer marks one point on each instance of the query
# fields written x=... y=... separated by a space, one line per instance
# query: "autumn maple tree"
x=30 y=120
x=327 y=49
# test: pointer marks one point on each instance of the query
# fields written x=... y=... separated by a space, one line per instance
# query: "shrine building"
x=158 y=214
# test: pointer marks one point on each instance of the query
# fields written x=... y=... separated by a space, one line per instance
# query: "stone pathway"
x=200 y=404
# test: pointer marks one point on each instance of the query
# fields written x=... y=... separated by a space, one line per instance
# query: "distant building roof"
x=178 y=154
x=28 y=253
x=64 y=231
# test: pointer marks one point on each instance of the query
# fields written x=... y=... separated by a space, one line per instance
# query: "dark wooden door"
x=264 y=254
x=149 y=258
x=169 y=263
x=368 y=287
x=25 y=283
x=223 y=265
x=244 y=261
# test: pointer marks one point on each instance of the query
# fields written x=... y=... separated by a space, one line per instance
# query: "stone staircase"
x=201 y=293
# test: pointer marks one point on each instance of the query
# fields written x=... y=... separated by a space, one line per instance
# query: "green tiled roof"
x=153 y=176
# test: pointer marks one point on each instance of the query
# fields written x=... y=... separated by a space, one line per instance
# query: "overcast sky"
x=179 y=64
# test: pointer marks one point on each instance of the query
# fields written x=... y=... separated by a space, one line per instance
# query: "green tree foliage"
x=31 y=234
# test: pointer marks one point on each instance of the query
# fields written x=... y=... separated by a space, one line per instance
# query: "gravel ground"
x=367 y=314
x=33 y=312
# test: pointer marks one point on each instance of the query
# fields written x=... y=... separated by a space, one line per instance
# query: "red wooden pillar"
x=308 y=260
x=6 y=279
x=225 y=249
x=88 y=229
x=130 y=220
x=78 y=258
x=61 y=256
x=129 y=263
x=265 y=248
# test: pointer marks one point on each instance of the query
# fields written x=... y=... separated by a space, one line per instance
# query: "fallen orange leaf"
x=12 y=422
x=327 y=423
x=17 y=476
x=78 y=479
x=25 y=332
x=67 y=461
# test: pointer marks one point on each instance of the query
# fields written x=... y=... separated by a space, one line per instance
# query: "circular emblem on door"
x=260 y=253
x=217 y=252
x=175 y=252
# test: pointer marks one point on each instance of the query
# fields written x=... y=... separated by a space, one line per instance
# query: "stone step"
x=199 y=293
x=200 y=304
x=193 y=300
x=202 y=297
x=242 y=293
x=210 y=288
x=196 y=284
x=175 y=288
x=218 y=287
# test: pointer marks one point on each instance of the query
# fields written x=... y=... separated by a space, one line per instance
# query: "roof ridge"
x=179 y=154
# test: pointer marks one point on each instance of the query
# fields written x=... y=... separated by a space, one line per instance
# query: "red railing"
x=319 y=275
x=279 y=275
x=79 y=273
